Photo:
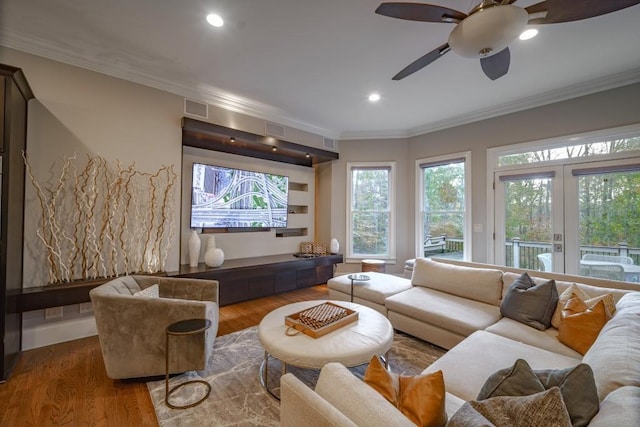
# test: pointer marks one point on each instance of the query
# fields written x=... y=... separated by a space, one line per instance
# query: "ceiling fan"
x=491 y=26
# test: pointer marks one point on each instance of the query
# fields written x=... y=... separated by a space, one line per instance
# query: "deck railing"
x=524 y=254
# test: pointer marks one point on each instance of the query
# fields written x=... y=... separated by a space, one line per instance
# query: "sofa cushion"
x=420 y=398
x=479 y=284
x=545 y=408
x=547 y=339
x=456 y=314
x=619 y=408
x=580 y=324
x=609 y=302
x=467 y=365
x=126 y=285
x=355 y=399
x=615 y=355
x=377 y=289
x=152 y=291
x=508 y=278
x=576 y=385
x=530 y=303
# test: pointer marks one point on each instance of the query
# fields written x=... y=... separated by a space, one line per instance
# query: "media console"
x=249 y=278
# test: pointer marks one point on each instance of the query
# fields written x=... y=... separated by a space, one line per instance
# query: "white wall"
x=83 y=112
x=608 y=109
x=377 y=150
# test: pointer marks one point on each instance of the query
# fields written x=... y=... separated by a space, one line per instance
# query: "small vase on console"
x=334 y=246
x=194 y=249
x=213 y=257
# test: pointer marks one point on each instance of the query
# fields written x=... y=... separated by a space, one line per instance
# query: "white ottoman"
x=370 y=293
x=351 y=345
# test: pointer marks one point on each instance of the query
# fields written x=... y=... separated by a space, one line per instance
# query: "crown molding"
x=225 y=100
x=574 y=91
x=546 y=98
x=208 y=94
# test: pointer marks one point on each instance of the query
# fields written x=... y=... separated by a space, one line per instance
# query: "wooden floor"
x=66 y=384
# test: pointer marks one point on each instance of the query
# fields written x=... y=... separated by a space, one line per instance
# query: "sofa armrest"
x=357 y=400
x=182 y=288
x=301 y=406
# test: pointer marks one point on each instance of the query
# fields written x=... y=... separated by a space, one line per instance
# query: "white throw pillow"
x=152 y=291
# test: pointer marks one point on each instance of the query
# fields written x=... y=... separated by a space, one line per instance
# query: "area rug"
x=238 y=399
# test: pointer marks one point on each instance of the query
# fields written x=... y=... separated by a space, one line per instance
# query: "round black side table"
x=357 y=278
x=184 y=327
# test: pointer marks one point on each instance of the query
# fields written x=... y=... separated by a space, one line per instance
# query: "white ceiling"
x=311 y=64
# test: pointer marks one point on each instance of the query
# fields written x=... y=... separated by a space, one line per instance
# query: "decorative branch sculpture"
x=105 y=220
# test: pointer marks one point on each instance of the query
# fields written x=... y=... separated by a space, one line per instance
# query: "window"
x=443 y=206
x=594 y=145
x=573 y=209
x=370 y=220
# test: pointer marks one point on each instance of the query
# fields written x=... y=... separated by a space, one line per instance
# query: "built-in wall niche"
x=298 y=186
x=298 y=209
x=291 y=232
x=252 y=242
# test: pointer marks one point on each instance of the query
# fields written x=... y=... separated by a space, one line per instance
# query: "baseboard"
x=43 y=334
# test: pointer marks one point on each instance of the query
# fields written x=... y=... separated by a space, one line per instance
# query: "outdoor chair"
x=608 y=258
x=545 y=261
x=603 y=271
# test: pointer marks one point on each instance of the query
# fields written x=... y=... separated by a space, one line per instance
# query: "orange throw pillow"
x=580 y=324
x=420 y=398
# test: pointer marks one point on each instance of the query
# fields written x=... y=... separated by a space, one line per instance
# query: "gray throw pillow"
x=545 y=408
x=577 y=386
x=530 y=303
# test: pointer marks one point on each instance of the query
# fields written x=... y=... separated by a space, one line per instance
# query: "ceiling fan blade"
x=422 y=62
x=420 y=12
x=567 y=11
x=496 y=66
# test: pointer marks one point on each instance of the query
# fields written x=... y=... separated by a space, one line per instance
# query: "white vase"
x=194 y=249
x=334 y=246
x=213 y=257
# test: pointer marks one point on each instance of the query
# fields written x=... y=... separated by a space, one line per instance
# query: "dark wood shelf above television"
x=199 y=134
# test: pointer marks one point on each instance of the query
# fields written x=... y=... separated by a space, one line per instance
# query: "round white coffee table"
x=352 y=345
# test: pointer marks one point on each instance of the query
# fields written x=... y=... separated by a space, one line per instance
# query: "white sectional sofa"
x=456 y=305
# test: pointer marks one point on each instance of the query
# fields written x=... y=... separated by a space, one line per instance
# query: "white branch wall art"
x=105 y=219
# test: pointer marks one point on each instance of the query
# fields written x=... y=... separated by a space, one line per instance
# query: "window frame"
x=419 y=200
x=391 y=207
x=493 y=167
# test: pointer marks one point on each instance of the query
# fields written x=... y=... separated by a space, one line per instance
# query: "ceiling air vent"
x=195 y=108
x=329 y=143
x=274 y=129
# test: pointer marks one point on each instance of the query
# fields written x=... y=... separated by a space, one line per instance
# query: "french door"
x=579 y=218
x=529 y=218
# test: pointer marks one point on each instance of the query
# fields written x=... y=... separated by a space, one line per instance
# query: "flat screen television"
x=233 y=198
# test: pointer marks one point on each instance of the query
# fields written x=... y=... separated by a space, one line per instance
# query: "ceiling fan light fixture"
x=374 y=97
x=488 y=30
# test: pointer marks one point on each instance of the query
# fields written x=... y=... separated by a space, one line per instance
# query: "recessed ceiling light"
x=215 y=20
x=528 y=34
x=374 y=97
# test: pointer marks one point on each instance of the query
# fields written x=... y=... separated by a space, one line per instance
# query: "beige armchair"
x=132 y=328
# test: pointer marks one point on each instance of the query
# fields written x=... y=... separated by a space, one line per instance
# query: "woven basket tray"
x=321 y=319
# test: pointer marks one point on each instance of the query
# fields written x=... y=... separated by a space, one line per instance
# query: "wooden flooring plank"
x=66 y=384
